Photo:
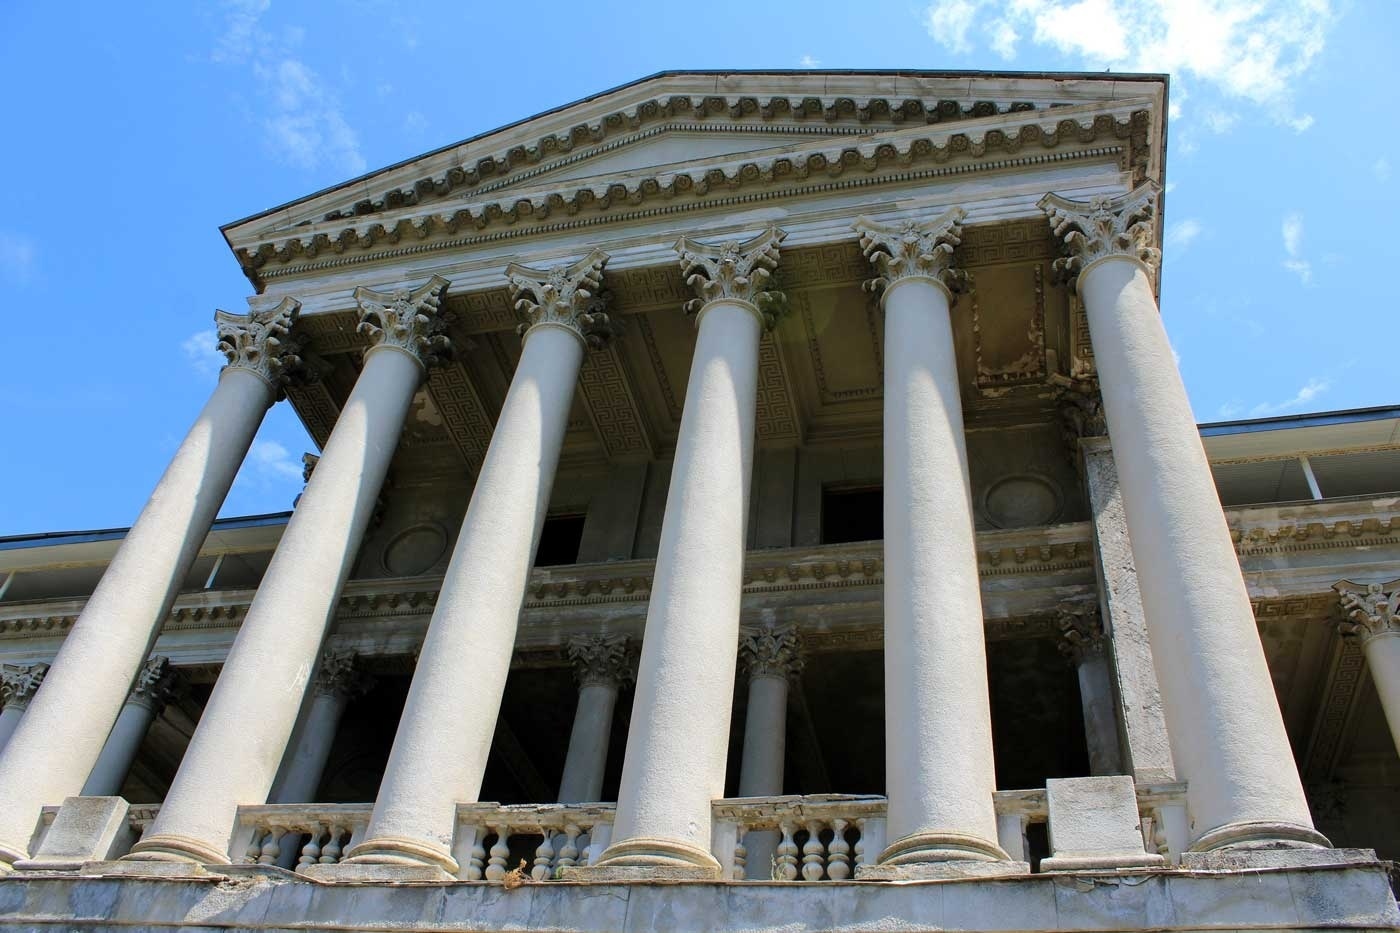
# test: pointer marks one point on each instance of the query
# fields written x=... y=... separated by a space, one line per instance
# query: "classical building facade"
x=748 y=500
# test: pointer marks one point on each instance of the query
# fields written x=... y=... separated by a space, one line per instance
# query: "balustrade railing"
x=541 y=840
x=296 y=835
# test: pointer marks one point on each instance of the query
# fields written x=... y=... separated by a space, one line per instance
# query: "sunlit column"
x=1223 y=719
x=154 y=686
x=1373 y=617
x=338 y=680
x=243 y=732
x=770 y=656
x=602 y=664
x=56 y=746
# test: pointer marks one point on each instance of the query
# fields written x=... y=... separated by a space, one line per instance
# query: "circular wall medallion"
x=1022 y=500
x=415 y=549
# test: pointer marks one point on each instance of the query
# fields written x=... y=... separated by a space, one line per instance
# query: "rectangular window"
x=853 y=514
x=559 y=541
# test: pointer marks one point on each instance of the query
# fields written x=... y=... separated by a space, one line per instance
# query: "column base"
x=399 y=852
x=169 y=847
x=643 y=859
x=9 y=855
x=920 y=848
x=1260 y=834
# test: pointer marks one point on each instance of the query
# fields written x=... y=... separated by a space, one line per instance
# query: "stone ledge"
x=1255 y=859
x=1354 y=896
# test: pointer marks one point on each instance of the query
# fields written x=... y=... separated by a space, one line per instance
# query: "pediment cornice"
x=535 y=204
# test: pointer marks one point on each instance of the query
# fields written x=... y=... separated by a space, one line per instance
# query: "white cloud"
x=807 y=61
x=1231 y=409
x=201 y=350
x=304 y=125
x=270 y=471
x=1252 y=51
x=1306 y=394
x=270 y=458
x=1293 y=246
x=1181 y=233
x=1220 y=121
x=414 y=123
x=18 y=255
x=1171 y=186
x=1381 y=169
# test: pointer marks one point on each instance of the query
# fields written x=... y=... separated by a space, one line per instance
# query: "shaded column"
x=1083 y=642
x=1372 y=616
x=770 y=657
x=602 y=665
x=155 y=685
x=939 y=769
x=679 y=734
x=338 y=680
x=1227 y=735
x=441 y=746
x=18 y=684
x=112 y=637
x=242 y=735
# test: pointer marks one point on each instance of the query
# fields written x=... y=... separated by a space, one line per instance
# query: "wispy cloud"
x=1305 y=395
x=202 y=353
x=1381 y=169
x=1254 y=51
x=18 y=255
x=1181 y=233
x=807 y=61
x=304 y=125
x=1293 y=247
x=269 y=469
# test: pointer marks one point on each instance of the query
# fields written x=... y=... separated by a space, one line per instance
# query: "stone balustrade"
x=490 y=836
x=318 y=833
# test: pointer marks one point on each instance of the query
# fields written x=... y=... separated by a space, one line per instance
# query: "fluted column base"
x=642 y=858
x=938 y=856
x=1260 y=834
x=171 y=847
x=402 y=853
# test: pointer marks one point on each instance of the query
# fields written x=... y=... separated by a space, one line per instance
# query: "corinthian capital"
x=601 y=659
x=155 y=683
x=261 y=342
x=1371 y=609
x=734 y=271
x=770 y=650
x=1081 y=629
x=408 y=320
x=19 y=683
x=909 y=248
x=1104 y=226
x=563 y=296
x=340 y=675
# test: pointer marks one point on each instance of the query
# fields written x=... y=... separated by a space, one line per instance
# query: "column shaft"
x=302 y=772
x=679 y=734
x=939 y=771
x=587 y=758
x=1100 y=722
x=1227 y=735
x=242 y=735
x=130 y=730
x=87 y=686
x=761 y=769
x=471 y=637
x=9 y=721
x=1383 y=660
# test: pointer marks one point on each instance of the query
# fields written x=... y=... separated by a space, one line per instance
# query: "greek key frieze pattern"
x=608 y=394
x=463 y=413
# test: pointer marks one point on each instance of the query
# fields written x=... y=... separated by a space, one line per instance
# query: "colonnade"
x=1226 y=730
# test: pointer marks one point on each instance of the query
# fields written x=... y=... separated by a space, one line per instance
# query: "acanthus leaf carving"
x=19 y=683
x=1370 y=609
x=910 y=248
x=607 y=660
x=410 y=320
x=1104 y=226
x=1081 y=629
x=770 y=650
x=340 y=675
x=734 y=271
x=261 y=343
x=568 y=296
x=156 y=683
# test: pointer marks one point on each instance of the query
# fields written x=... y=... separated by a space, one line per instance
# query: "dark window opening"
x=559 y=541
x=853 y=515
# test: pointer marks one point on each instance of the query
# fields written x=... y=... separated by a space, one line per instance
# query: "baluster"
x=838 y=858
x=254 y=848
x=568 y=852
x=331 y=851
x=787 y=854
x=544 y=857
x=476 y=864
x=272 y=846
x=741 y=852
x=500 y=854
x=813 y=852
x=311 y=852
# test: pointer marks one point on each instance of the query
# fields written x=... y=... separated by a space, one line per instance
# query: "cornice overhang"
x=1015 y=140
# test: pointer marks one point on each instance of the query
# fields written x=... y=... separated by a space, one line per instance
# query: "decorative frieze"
x=1104 y=227
x=770 y=651
x=340 y=675
x=734 y=271
x=607 y=660
x=1370 y=609
x=19 y=683
x=564 y=296
x=1081 y=629
x=407 y=319
x=910 y=248
x=261 y=342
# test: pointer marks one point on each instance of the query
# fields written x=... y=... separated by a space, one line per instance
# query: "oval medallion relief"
x=1022 y=500
x=415 y=549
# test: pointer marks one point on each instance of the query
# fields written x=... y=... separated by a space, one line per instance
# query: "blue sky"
x=132 y=134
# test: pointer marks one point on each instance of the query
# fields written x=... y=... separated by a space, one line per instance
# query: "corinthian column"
x=154 y=685
x=1083 y=641
x=441 y=746
x=18 y=684
x=338 y=680
x=770 y=656
x=602 y=664
x=235 y=752
x=1223 y=720
x=939 y=772
x=112 y=637
x=679 y=735
x=1373 y=617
